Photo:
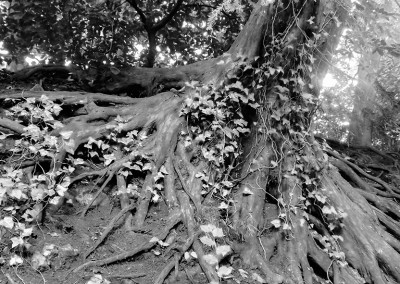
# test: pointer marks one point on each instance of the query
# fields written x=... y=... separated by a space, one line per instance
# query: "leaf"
x=163 y=170
x=247 y=191
x=276 y=223
x=224 y=271
x=336 y=237
x=97 y=279
x=223 y=205
x=154 y=240
x=15 y=260
x=321 y=198
x=210 y=259
x=146 y=167
x=207 y=241
x=207 y=228
x=70 y=146
x=16 y=241
x=329 y=210
x=18 y=194
x=27 y=232
x=217 y=233
x=66 y=134
x=223 y=250
x=243 y=273
x=108 y=159
x=7 y=222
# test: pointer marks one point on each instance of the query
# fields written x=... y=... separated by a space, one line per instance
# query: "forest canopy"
x=199 y=141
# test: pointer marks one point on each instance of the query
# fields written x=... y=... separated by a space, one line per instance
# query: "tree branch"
x=142 y=16
x=168 y=17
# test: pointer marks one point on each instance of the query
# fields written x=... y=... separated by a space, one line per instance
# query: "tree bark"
x=294 y=213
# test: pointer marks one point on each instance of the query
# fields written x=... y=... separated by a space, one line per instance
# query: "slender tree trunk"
x=365 y=101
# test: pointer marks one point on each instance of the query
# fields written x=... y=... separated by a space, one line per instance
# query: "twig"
x=98 y=193
x=137 y=275
x=108 y=229
x=175 y=219
x=9 y=277
x=101 y=172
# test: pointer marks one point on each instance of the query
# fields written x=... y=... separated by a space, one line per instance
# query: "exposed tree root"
x=126 y=276
x=108 y=229
x=167 y=269
x=190 y=223
x=363 y=173
x=184 y=186
x=171 y=222
x=97 y=194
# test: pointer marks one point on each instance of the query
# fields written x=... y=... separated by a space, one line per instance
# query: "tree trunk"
x=237 y=130
x=365 y=101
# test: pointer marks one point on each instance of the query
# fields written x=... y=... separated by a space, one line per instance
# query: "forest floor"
x=67 y=236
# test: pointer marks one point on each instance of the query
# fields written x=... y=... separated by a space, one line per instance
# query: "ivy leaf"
x=207 y=228
x=336 y=237
x=247 y=191
x=27 y=232
x=321 y=198
x=224 y=271
x=6 y=182
x=163 y=170
x=154 y=240
x=18 y=194
x=16 y=241
x=329 y=210
x=66 y=134
x=223 y=205
x=108 y=159
x=223 y=250
x=207 y=241
x=218 y=233
x=229 y=149
x=243 y=273
x=7 y=222
x=276 y=223
x=210 y=259
x=15 y=260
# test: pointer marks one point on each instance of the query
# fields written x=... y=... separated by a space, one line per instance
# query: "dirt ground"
x=72 y=231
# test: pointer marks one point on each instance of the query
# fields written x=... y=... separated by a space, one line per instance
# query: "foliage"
x=372 y=33
x=102 y=33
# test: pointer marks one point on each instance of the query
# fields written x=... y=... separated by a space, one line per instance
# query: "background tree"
x=226 y=144
x=364 y=109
